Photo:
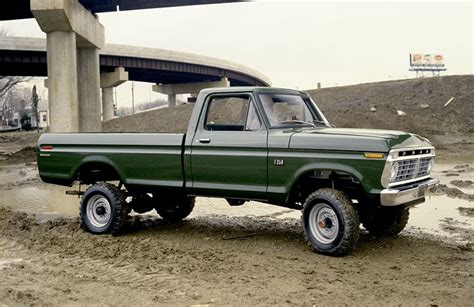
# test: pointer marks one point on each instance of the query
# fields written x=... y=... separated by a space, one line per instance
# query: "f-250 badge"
x=278 y=162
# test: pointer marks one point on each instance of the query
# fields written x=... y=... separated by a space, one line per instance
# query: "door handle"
x=204 y=141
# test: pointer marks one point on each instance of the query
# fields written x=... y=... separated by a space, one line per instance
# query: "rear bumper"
x=398 y=196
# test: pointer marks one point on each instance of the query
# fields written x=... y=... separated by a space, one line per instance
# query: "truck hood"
x=355 y=139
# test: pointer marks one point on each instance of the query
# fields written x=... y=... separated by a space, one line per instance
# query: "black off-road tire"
x=119 y=209
x=175 y=208
x=345 y=236
x=386 y=221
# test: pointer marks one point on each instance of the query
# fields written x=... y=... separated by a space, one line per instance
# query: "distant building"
x=43 y=118
x=43 y=115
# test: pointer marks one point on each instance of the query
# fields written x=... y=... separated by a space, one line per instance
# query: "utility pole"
x=116 y=101
x=133 y=98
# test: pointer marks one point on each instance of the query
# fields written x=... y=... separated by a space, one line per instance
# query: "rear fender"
x=98 y=160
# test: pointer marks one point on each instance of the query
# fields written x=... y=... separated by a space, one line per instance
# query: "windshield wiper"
x=320 y=122
x=300 y=122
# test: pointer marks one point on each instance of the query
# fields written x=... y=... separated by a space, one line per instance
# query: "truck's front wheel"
x=174 y=208
x=386 y=221
x=331 y=223
x=103 y=209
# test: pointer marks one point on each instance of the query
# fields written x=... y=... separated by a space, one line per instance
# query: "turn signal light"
x=373 y=155
x=46 y=147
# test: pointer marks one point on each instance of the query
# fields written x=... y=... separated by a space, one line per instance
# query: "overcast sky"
x=299 y=43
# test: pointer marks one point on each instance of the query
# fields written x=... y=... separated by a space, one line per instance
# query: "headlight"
x=394 y=171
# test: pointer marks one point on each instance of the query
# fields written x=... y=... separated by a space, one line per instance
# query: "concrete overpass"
x=173 y=72
x=20 y=9
x=74 y=37
x=22 y=56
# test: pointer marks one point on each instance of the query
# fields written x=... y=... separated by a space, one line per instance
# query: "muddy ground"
x=249 y=255
x=221 y=260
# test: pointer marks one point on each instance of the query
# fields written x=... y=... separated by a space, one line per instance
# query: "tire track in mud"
x=14 y=252
x=279 y=213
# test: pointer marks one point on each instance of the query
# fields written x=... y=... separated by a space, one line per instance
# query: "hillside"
x=349 y=106
x=421 y=99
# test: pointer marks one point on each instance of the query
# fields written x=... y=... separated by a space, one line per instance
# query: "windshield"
x=285 y=110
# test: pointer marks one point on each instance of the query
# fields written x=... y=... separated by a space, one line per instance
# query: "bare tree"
x=9 y=82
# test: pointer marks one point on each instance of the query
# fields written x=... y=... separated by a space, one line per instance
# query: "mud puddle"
x=45 y=201
x=446 y=217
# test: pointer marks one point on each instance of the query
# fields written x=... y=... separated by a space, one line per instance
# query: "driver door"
x=229 y=150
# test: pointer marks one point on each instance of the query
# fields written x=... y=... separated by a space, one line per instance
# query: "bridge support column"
x=107 y=82
x=62 y=82
x=88 y=83
x=107 y=103
x=171 y=100
x=74 y=95
x=187 y=88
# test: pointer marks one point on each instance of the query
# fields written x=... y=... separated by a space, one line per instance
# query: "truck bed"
x=142 y=159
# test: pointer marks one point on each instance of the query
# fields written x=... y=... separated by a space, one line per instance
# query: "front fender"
x=367 y=180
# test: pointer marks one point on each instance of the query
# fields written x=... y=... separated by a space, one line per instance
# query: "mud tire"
x=386 y=221
x=174 y=209
x=347 y=234
x=119 y=209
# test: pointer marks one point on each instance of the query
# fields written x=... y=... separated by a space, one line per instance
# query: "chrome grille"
x=412 y=169
x=423 y=167
x=406 y=169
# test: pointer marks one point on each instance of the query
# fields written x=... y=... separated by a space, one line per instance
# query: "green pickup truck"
x=249 y=143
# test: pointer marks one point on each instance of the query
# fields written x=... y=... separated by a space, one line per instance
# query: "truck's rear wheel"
x=176 y=208
x=103 y=209
x=331 y=223
x=386 y=221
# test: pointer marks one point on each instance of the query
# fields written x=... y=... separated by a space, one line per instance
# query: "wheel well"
x=315 y=179
x=95 y=171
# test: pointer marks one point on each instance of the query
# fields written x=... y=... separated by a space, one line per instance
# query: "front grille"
x=406 y=169
x=412 y=169
x=423 y=167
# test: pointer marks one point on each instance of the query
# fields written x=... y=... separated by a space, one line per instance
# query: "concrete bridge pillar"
x=88 y=81
x=107 y=103
x=187 y=88
x=107 y=82
x=171 y=100
x=74 y=94
x=62 y=83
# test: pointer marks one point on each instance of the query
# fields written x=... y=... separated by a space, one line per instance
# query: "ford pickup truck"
x=249 y=143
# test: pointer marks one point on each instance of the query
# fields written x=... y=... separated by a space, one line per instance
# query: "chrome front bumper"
x=396 y=196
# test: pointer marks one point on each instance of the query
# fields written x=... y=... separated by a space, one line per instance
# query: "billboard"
x=426 y=60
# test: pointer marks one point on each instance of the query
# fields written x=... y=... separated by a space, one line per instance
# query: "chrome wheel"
x=323 y=223
x=99 y=211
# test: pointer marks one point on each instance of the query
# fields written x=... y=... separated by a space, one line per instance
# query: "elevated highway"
x=20 y=9
x=20 y=56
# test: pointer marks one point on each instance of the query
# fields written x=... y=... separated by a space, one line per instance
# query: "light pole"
x=133 y=98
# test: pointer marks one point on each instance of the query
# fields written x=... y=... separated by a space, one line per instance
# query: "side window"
x=253 y=122
x=227 y=113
